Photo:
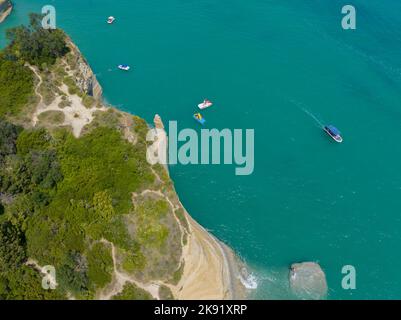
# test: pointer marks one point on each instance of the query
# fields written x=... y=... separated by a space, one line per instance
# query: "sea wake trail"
x=318 y=122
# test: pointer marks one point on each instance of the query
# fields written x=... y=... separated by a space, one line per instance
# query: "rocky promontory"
x=308 y=281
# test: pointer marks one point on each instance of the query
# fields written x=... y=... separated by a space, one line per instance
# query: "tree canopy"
x=35 y=44
x=16 y=86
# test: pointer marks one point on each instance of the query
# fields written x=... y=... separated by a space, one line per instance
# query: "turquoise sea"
x=279 y=67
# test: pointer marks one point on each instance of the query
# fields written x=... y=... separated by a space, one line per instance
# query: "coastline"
x=211 y=268
x=6 y=13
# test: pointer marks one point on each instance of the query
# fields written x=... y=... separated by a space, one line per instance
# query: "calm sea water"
x=279 y=67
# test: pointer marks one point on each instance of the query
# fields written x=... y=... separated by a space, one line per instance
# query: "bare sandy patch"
x=76 y=115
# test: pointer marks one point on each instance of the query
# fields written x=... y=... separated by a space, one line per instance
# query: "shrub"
x=36 y=45
x=100 y=264
x=16 y=86
x=132 y=292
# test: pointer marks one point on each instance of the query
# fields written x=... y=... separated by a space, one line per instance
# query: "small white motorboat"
x=205 y=104
x=110 y=20
x=124 y=67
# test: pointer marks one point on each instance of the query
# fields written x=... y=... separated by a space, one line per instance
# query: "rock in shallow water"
x=308 y=281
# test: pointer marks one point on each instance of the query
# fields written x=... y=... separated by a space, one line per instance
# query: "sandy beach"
x=211 y=269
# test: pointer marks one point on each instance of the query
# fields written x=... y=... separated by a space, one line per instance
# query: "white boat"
x=110 y=20
x=124 y=67
x=205 y=104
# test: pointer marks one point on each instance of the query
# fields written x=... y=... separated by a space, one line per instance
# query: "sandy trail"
x=121 y=278
x=40 y=104
x=77 y=116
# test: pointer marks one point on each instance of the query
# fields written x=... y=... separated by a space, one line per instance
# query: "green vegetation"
x=180 y=214
x=51 y=118
x=102 y=161
x=16 y=86
x=70 y=193
x=165 y=293
x=34 y=44
x=89 y=204
x=150 y=231
x=100 y=265
x=48 y=89
x=65 y=102
x=65 y=201
x=159 y=237
x=8 y=139
x=72 y=86
x=88 y=101
x=132 y=292
x=178 y=274
x=33 y=140
x=25 y=284
x=110 y=119
x=59 y=72
x=12 y=249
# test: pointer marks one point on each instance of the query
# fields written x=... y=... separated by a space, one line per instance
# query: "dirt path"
x=121 y=278
x=77 y=116
x=40 y=103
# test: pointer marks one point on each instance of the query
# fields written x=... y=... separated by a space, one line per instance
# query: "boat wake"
x=319 y=122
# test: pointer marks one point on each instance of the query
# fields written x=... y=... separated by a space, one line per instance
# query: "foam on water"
x=249 y=281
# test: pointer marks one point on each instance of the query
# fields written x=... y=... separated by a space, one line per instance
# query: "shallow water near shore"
x=279 y=67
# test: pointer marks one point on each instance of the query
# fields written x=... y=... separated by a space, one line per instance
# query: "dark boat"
x=334 y=133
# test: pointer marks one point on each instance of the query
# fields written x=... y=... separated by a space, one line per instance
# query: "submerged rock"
x=308 y=281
